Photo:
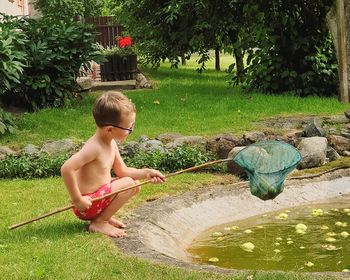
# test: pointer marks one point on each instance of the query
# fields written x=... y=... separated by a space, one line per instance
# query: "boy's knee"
x=131 y=182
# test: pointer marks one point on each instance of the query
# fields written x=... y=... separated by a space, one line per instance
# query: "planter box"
x=119 y=68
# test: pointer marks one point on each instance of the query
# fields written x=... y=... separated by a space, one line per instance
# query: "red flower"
x=124 y=42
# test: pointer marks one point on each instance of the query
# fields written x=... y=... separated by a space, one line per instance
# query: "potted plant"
x=121 y=61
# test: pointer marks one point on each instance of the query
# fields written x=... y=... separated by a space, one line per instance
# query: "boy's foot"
x=106 y=228
x=116 y=223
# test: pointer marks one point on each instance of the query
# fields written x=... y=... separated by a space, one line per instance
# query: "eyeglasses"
x=123 y=128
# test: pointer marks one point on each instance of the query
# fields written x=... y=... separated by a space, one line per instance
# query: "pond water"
x=307 y=239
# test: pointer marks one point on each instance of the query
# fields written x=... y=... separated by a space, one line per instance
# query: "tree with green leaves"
x=69 y=9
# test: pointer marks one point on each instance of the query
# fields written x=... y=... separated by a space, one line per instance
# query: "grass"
x=182 y=101
x=59 y=247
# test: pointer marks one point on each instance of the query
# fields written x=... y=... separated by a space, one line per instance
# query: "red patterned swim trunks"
x=97 y=206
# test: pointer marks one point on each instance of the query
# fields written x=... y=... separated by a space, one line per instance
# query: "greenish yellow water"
x=278 y=244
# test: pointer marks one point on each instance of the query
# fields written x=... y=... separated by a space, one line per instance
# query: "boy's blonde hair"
x=110 y=108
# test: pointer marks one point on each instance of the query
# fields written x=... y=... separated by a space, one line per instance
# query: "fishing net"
x=267 y=164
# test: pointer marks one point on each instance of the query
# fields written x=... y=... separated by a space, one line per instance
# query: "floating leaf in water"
x=335 y=210
x=309 y=264
x=248 y=231
x=282 y=216
x=248 y=246
x=290 y=242
x=330 y=247
x=213 y=260
x=300 y=231
x=346 y=210
x=344 y=234
x=289 y=238
x=277 y=243
x=331 y=234
x=301 y=247
x=345 y=270
x=234 y=227
x=217 y=234
x=277 y=251
x=279 y=238
x=341 y=224
x=331 y=239
x=317 y=212
x=324 y=227
x=260 y=227
x=301 y=227
x=220 y=238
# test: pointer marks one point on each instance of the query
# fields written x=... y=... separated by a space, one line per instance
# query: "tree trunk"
x=347 y=43
x=183 y=59
x=239 y=63
x=217 y=58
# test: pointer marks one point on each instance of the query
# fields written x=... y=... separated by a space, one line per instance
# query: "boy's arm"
x=122 y=170
x=68 y=172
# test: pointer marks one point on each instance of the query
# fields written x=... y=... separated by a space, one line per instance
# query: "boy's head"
x=112 y=108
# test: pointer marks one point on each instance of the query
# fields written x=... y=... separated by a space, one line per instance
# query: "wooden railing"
x=107 y=28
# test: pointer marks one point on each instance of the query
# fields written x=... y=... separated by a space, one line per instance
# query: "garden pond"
x=306 y=238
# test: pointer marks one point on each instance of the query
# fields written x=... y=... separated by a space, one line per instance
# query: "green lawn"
x=59 y=247
x=182 y=101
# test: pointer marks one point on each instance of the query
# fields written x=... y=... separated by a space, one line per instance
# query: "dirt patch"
x=161 y=230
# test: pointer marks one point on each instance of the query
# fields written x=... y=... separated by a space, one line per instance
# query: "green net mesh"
x=267 y=164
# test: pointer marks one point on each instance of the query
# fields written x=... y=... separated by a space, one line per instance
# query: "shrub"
x=31 y=166
x=292 y=49
x=55 y=54
x=7 y=123
x=12 y=52
x=43 y=165
x=172 y=160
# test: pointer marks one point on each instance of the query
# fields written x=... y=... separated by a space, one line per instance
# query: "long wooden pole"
x=342 y=59
x=116 y=192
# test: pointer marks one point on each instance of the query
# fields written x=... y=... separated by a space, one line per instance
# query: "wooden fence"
x=107 y=28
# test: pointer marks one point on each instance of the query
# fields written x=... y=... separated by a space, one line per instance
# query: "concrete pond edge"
x=161 y=230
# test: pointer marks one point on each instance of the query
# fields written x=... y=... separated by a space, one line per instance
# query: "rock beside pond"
x=129 y=148
x=30 y=149
x=151 y=146
x=347 y=114
x=254 y=136
x=4 y=151
x=60 y=146
x=313 y=152
x=198 y=141
x=222 y=144
x=314 y=128
x=165 y=138
x=339 y=143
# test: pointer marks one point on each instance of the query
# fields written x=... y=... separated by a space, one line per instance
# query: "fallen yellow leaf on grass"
x=156 y=102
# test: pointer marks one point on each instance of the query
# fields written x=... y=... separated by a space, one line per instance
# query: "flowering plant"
x=124 y=42
x=123 y=48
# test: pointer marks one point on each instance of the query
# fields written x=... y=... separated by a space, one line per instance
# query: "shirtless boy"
x=87 y=174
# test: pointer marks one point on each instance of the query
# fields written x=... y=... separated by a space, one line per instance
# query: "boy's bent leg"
x=104 y=222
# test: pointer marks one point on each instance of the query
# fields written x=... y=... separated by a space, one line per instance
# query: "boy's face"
x=125 y=127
